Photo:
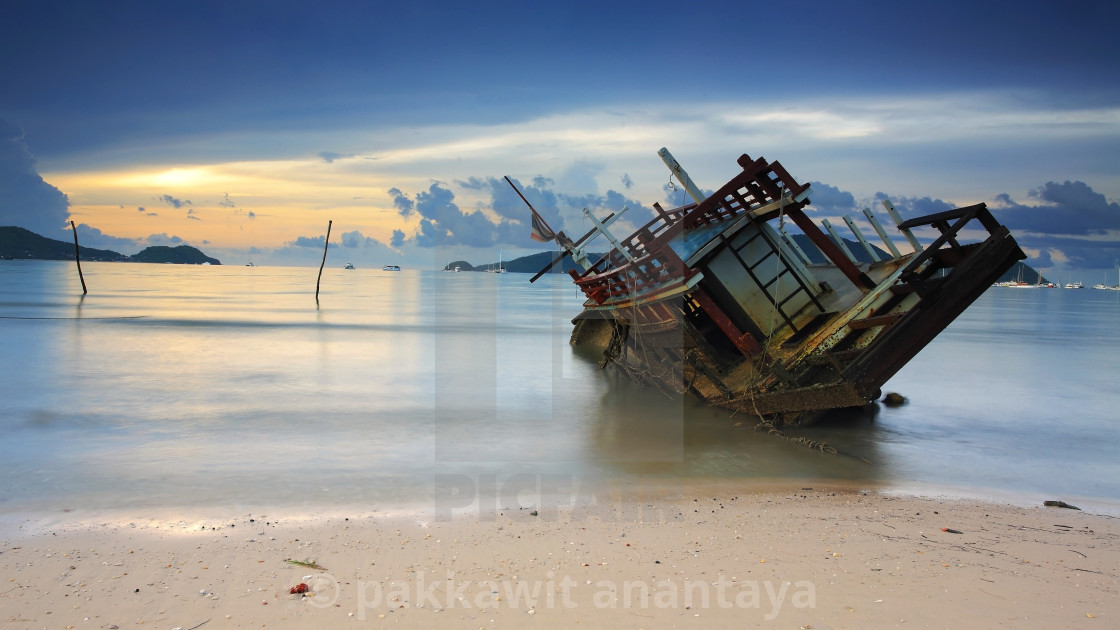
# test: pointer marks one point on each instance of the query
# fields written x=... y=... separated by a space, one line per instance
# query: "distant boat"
x=391 y=268
x=1019 y=284
x=349 y=266
x=500 y=268
x=250 y=264
x=1074 y=285
x=1104 y=287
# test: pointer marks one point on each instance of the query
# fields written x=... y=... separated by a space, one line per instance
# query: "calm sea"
x=183 y=387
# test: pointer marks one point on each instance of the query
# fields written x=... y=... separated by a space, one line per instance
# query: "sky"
x=243 y=128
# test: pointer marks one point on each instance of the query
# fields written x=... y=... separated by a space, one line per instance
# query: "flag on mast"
x=540 y=231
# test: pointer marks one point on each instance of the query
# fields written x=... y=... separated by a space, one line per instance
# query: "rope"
x=803 y=441
x=765 y=423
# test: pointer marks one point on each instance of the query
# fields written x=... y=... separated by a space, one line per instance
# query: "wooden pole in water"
x=77 y=258
x=326 y=242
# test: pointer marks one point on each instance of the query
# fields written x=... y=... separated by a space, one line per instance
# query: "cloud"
x=401 y=202
x=25 y=199
x=554 y=207
x=443 y=223
x=505 y=202
x=90 y=236
x=398 y=239
x=355 y=239
x=611 y=201
x=910 y=207
x=307 y=241
x=1072 y=208
x=627 y=183
x=830 y=200
x=1073 y=223
x=174 y=202
x=226 y=202
x=502 y=217
x=1070 y=225
x=331 y=156
x=163 y=239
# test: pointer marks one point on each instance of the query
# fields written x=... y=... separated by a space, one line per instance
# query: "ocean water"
x=186 y=388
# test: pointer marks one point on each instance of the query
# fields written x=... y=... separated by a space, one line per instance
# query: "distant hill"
x=1024 y=272
x=181 y=255
x=461 y=264
x=535 y=262
x=17 y=243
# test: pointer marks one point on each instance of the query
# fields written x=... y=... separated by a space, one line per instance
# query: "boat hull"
x=714 y=304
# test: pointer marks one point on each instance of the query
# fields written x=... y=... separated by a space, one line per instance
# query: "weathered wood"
x=744 y=342
x=326 y=243
x=898 y=344
x=876 y=320
x=78 y=258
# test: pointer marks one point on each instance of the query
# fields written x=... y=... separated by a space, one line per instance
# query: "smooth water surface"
x=173 y=386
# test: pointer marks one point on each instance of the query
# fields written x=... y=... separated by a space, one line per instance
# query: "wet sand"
x=798 y=558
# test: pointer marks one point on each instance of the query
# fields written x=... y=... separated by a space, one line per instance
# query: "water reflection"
x=642 y=430
x=168 y=385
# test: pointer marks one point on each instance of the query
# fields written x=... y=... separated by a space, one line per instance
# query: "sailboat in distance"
x=500 y=268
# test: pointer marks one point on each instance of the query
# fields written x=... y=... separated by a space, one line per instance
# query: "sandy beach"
x=795 y=558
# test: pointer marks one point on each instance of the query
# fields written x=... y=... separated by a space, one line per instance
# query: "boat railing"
x=759 y=184
x=639 y=244
x=945 y=248
x=644 y=259
x=653 y=270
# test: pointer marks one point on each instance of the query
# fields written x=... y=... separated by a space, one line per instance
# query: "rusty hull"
x=710 y=300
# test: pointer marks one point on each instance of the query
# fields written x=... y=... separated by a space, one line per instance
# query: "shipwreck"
x=717 y=299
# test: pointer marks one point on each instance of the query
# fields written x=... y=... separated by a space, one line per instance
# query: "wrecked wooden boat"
x=717 y=299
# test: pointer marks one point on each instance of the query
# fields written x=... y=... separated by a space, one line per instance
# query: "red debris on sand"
x=299 y=588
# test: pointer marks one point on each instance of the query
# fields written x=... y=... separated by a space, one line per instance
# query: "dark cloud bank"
x=25 y=199
x=444 y=223
x=1065 y=220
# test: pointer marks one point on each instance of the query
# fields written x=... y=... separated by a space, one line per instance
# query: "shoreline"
x=820 y=558
x=32 y=517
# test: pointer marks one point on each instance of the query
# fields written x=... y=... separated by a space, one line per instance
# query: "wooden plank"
x=876 y=320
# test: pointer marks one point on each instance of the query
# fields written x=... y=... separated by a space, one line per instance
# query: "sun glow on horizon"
x=234 y=204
